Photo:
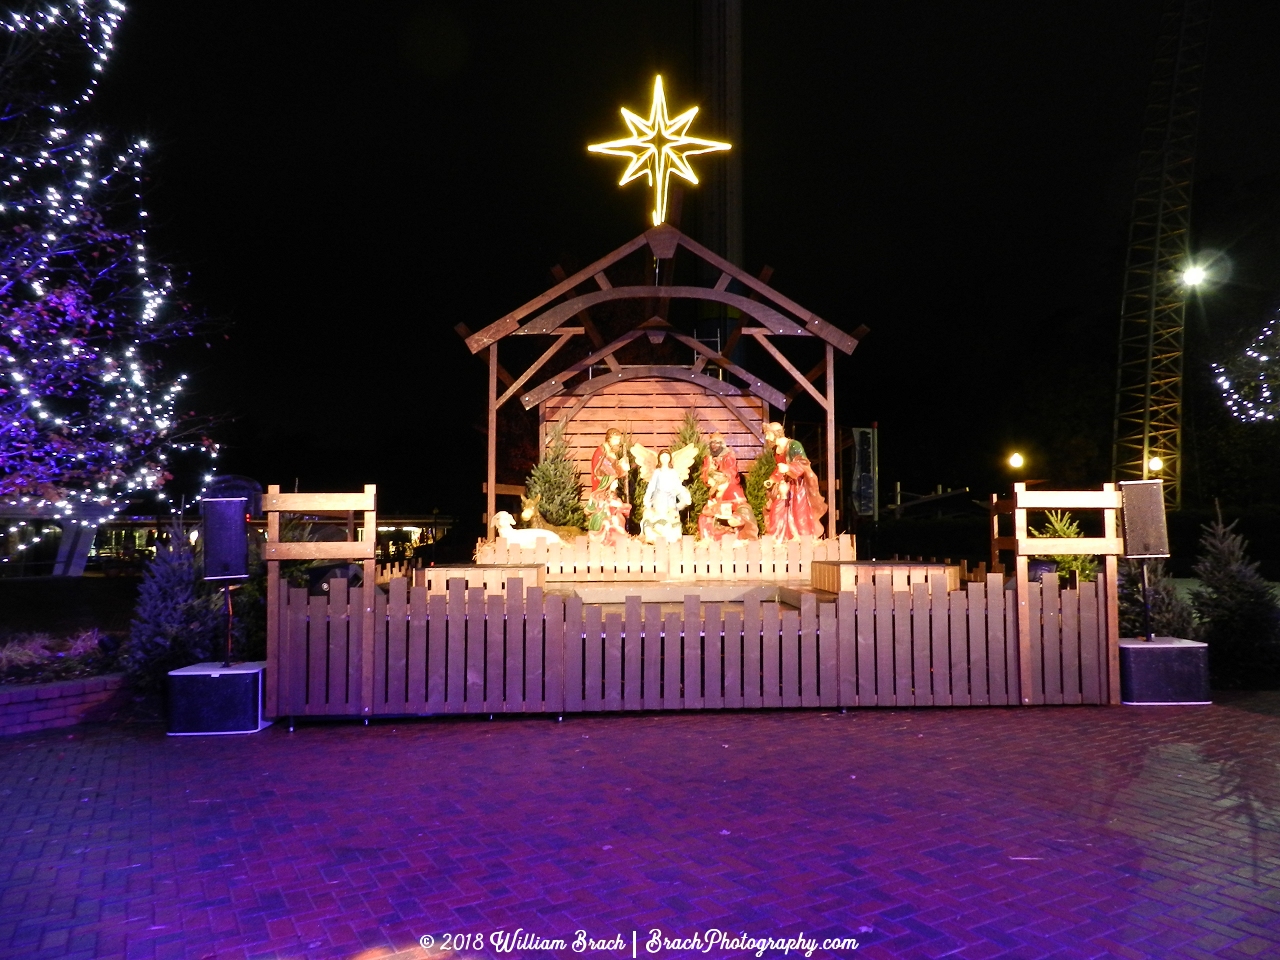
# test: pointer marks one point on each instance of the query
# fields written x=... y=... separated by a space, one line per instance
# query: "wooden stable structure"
x=651 y=398
x=486 y=640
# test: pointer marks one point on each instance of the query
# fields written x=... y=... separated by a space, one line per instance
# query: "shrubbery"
x=178 y=620
x=1171 y=616
x=39 y=658
x=1238 y=614
x=761 y=470
x=555 y=479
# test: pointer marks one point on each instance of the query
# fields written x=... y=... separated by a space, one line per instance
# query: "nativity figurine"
x=666 y=495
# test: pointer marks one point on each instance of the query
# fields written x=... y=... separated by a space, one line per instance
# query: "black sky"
x=346 y=183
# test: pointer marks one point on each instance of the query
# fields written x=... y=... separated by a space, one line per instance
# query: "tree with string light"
x=1246 y=382
x=86 y=415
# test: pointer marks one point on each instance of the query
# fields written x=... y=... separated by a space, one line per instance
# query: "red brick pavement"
x=1067 y=832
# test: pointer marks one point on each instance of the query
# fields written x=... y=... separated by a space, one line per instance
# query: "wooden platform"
x=835 y=576
x=725 y=561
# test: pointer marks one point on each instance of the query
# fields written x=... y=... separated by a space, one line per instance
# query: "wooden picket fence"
x=468 y=652
x=689 y=559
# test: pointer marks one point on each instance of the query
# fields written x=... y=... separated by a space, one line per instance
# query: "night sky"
x=344 y=183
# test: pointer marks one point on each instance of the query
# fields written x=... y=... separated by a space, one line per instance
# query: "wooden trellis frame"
x=345 y=505
x=1110 y=546
x=764 y=313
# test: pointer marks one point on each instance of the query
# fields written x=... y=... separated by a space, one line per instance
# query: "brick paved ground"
x=1069 y=832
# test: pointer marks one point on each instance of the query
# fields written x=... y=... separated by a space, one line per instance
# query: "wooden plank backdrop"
x=652 y=411
x=470 y=651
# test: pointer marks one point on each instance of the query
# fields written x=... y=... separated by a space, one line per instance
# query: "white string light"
x=1246 y=383
x=85 y=417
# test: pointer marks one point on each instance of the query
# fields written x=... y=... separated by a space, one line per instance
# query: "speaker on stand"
x=1155 y=670
x=213 y=697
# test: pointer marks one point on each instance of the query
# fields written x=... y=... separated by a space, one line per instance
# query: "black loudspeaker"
x=1164 y=670
x=1145 y=533
x=228 y=486
x=211 y=698
x=226 y=539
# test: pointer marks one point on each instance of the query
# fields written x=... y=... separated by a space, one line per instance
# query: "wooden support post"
x=832 y=498
x=1111 y=605
x=1022 y=591
x=491 y=474
x=995 y=530
x=368 y=592
x=273 y=615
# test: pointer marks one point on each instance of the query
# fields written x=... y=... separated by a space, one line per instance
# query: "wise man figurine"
x=606 y=509
x=727 y=512
x=793 y=505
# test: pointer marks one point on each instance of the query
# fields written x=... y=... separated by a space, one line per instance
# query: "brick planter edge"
x=26 y=708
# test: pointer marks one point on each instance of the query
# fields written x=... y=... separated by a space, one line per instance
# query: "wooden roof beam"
x=464 y=332
x=550 y=352
x=659 y=372
x=731 y=341
x=511 y=322
x=791 y=369
x=778 y=323
x=556 y=385
x=754 y=384
x=587 y=323
x=814 y=323
x=812 y=376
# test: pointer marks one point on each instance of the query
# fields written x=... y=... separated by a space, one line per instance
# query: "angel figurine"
x=665 y=495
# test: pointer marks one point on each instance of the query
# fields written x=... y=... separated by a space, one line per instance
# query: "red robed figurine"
x=606 y=511
x=794 y=506
x=727 y=513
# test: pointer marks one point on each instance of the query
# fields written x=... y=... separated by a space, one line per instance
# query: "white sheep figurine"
x=504 y=525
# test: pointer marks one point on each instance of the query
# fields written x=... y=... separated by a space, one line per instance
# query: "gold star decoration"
x=657 y=148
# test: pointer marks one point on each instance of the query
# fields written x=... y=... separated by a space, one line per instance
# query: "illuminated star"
x=657 y=148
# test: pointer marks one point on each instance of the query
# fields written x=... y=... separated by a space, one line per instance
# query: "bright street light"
x=1194 y=276
x=1155 y=464
x=1016 y=461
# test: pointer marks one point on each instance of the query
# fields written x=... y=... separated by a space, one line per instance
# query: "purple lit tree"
x=1246 y=383
x=85 y=415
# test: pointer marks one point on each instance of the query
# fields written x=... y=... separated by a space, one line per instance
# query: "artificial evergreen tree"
x=636 y=487
x=1171 y=616
x=555 y=479
x=761 y=470
x=698 y=491
x=178 y=619
x=1060 y=525
x=1238 y=613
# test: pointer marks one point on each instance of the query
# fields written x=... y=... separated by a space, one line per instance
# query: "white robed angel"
x=665 y=495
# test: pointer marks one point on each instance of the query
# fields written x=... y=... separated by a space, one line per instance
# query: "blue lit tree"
x=86 y=414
